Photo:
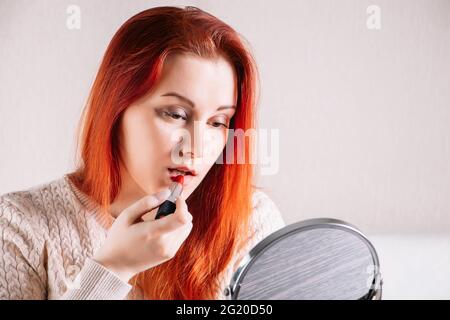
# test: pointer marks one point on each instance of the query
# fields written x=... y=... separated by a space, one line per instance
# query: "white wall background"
x=364 y=115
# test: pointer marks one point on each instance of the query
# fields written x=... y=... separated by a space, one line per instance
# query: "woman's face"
x=189 y=110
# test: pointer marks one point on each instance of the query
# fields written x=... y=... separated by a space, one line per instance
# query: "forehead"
x=205 y=81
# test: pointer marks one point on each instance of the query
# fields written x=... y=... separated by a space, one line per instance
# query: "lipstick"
x=168 y=206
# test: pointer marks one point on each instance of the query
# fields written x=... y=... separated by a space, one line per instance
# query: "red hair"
x=221 y=204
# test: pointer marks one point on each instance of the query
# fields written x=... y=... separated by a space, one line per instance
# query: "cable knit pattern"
x=49 y=233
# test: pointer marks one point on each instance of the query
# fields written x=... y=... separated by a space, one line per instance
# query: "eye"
x=218 y=124
x=175 y=115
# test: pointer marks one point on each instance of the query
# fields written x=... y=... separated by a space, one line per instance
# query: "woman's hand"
x=134 y=245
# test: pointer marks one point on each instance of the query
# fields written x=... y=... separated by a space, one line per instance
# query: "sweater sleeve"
x=95 y=282
x=22 y=271
x=23 y=275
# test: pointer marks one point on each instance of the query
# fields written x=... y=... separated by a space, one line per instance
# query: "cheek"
x=144 y=143
x=214 y=142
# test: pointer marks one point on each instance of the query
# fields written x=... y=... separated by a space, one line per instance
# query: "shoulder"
x=30 y=208
x=24 y=237
x=266 y=217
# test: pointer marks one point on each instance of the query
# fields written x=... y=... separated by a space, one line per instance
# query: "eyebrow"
x=189 y=102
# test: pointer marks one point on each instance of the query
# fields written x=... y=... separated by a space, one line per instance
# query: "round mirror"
x=316 y=259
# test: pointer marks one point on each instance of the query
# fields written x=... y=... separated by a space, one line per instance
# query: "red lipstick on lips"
x=168 y=206
x=179 y=179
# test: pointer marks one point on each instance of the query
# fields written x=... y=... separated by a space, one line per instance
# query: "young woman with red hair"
x=168 y=73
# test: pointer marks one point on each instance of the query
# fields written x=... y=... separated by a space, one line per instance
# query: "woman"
x=172 y=84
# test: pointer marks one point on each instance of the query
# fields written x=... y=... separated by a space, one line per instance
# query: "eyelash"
x=177 y=116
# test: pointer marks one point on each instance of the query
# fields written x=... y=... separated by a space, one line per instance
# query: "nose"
x=192 y=146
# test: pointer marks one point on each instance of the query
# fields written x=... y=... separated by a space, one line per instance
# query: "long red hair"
x=221 y=204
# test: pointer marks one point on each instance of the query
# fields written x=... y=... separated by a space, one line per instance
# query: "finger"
x=143 y=205
x=150 y=216
x=182 y=210
x=180 y=205
x=170 y=223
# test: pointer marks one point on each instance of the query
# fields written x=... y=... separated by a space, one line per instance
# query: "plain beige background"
x=363 y=115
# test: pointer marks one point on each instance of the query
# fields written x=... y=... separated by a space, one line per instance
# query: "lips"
x=185 y=171
x=174 y=173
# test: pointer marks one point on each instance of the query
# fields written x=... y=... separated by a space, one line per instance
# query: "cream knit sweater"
x=49 y=232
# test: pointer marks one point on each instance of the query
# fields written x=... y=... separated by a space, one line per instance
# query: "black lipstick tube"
x=168 y=206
